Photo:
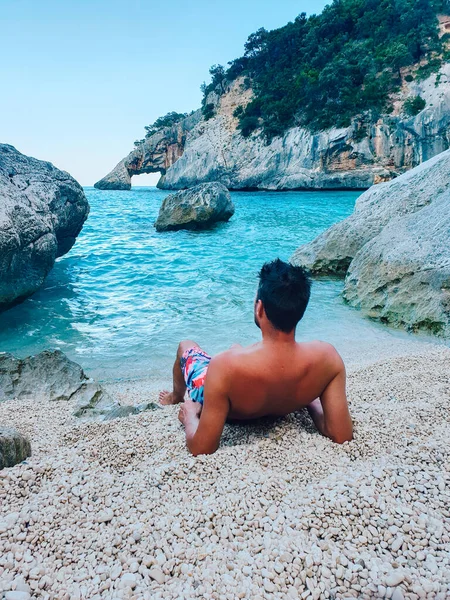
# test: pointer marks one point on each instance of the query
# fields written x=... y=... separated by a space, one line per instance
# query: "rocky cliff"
x=196 y=151
x=42 y=210
x=394 y=249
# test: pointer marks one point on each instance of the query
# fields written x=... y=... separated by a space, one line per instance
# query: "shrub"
x=413 y=106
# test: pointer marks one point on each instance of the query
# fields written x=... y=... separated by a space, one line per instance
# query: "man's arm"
x=330 y=414
x=204 y=426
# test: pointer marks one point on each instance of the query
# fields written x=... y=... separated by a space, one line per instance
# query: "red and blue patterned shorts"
x=194 y=366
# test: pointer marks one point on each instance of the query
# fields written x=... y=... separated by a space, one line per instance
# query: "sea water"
x=119 y=302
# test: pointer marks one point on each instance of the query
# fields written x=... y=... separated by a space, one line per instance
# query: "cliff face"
x=196 y=151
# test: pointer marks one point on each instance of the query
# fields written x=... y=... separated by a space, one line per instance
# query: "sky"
x=81 y=78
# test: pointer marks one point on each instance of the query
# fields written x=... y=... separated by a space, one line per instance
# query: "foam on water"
x=120 y=301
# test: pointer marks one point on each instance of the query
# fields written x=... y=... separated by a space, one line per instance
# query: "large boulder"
x=197 y=208
x=14 y=447
x=332 y=251
x=42 y=210
x=53 y=376
x=402 y=276
x=394 y=249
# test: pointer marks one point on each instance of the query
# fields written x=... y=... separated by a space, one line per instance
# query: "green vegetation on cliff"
x=321 y=71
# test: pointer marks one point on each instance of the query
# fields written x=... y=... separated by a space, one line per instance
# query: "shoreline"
x=119 y=509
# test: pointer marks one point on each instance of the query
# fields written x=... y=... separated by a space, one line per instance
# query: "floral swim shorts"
x=194 y=366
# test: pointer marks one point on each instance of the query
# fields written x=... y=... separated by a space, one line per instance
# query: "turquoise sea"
x=124 y=296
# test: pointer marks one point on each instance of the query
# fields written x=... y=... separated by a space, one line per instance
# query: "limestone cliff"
x=196 y=151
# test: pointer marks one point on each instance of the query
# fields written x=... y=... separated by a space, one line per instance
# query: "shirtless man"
x=276 y=376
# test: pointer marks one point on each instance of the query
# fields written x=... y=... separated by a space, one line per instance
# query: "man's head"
x=283 y=295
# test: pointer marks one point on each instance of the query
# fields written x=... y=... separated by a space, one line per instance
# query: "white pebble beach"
x=120 y=509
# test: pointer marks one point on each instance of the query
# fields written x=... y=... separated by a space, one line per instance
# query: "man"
x=276 y=376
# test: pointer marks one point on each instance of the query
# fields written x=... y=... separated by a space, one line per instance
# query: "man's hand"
x=189 y=411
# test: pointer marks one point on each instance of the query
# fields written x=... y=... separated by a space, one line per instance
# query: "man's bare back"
x=276 y=376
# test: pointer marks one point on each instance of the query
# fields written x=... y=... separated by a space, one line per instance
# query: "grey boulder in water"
x=199 y=207
x=394 y=249
x=42 y=211
x=14 y=447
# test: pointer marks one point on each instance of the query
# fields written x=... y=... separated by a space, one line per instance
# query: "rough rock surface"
x=52 y=375
x=14 y=447
x=196 y=151
x=395 y=248
x=332 y=251
x=42 y=210
x=197 y=208
x=402 y=276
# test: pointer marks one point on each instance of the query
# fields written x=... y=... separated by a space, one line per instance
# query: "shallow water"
x=120 y=301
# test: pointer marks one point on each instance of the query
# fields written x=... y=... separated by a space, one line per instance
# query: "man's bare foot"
x=166 y=397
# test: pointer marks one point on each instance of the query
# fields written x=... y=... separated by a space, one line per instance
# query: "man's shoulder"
x=325 y=354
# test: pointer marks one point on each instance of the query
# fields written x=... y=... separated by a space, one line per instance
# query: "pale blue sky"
x=81 y=78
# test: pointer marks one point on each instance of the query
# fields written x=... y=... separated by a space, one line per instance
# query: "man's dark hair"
x=284 y=291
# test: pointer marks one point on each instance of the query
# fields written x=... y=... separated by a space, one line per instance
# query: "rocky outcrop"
x=402 y=276
x=394 y=249
x=333 y=251
x=196 y=151
x=197 y=208
x=42 y=210
x=53 y=376
x=14 y=447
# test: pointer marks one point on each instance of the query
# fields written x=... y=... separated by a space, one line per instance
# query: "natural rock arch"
x=154 y=155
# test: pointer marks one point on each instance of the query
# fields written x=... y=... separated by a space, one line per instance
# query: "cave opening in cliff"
x=145 y=180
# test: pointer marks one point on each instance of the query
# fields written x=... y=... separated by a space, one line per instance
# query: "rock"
x=128 y=580
x=105 y=516
x=157 y=575
x=14 y=447
x=42 y=211
x=92 y=400
x=395 y=249
x=53 y=376
x=197 y=151
x=403 y=275
x=17 y=596
x=332 y=251
x=394 y=578
x=197 y=208
x=119 y=412
x=398 y=594
x=49 y=373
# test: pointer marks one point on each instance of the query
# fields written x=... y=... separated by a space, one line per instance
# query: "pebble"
x=157 y=575
x=397 y=594
x=120 y=510
x=105 y=516
x=395 y=578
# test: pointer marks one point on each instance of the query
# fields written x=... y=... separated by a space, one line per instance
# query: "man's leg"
x=179 y=385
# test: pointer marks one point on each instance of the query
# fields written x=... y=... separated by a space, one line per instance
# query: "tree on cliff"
x=171 y=118
x=321 y=71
